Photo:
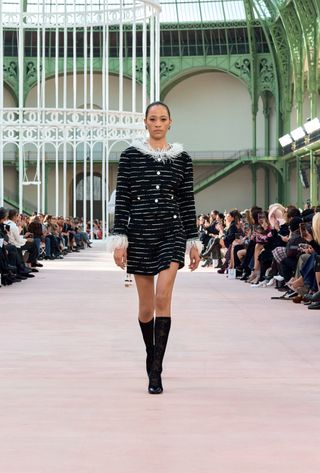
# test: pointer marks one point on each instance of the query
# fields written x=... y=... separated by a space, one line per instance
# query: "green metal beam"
x=294 y=33
x=313 y=180
x=15 y=205
x=266 y=187
x=298 y=182
x=254 y=72
x=282 y=54
x=224 y=172
x=307 y=15
x=254 y=183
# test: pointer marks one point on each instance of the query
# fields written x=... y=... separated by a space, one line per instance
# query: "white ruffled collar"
x=174 y=150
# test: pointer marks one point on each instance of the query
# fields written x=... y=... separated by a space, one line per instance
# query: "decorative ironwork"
x=166 y=69
x=244 y=67
x=31 y=70
x=266 y=74
x=11 y=70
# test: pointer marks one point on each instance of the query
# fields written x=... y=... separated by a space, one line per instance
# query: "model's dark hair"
x=157 y=103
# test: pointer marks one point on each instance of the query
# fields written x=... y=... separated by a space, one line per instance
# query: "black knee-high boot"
x=147 y=329
x=161 y=333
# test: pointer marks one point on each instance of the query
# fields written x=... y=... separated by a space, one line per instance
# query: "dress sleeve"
x=119 y=238
x=187 y=207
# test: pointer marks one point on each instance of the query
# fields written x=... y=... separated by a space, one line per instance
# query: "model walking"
x=155 y=221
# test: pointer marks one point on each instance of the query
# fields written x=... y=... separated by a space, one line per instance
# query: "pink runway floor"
x=242 y=377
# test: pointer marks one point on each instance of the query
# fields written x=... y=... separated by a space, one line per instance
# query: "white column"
x=151 y=23
x=38 y=173
x=121 y=58
x=43 y=114
x=21 y=102
x=1 y=112
x=56 y=68
x=105 y=97
x=57 y=177
x=74 y=187
x=39 y=117
x=107 y=187
x=85 y=98
x=144 y=61
x=43 y=178
x=134 y=59
x=91 y=140
x=56 y=96
x=64 y=179
x=74 y=83
x=65 y=58
x=157 y=58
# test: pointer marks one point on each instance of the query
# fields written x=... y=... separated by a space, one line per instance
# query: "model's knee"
x=146 y=313
x=162 y=301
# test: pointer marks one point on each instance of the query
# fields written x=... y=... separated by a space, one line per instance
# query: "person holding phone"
x=155 y=223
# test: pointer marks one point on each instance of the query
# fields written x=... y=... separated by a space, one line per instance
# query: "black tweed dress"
x=155 y=207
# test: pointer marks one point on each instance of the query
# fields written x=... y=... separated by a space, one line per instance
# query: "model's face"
x=158 y=122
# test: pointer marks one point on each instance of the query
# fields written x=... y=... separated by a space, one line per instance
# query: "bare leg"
x=231 y=264
x=145 y=288
x=258 y=249
x=164 y=290
x=241 y=254
x=297 y=283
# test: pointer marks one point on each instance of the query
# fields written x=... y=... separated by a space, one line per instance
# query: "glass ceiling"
x=173 y=11
x=211 y=11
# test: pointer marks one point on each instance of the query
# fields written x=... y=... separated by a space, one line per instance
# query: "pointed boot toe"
x=155 y=384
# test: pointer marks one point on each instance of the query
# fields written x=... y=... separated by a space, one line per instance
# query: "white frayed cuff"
x=115 y=242
x=194 y=243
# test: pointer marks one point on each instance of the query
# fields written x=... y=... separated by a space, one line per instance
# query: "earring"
x=169 y=127
x=146 y=127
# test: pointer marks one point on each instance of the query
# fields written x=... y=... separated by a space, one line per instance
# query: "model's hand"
x=120 y=257
x=194 y=258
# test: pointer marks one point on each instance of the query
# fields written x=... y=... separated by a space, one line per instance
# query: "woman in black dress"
x=155 y=223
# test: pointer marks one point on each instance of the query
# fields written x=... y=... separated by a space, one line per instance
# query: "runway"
x=241 y=377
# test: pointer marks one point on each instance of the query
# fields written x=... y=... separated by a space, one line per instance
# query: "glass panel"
x=234 y=10
x=169 y=13
x=212 y=11
x=189 y=11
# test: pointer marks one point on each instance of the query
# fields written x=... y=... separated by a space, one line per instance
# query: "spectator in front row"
x=22 y=243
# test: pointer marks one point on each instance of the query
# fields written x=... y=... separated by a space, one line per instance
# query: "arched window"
x=97 y=188
x=97 y=195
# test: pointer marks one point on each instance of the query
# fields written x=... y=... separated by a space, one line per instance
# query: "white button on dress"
x=157 y=187
x=156 y=200
x=174 y=216
x=158 y=172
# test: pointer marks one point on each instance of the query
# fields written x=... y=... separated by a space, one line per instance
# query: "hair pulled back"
x=155 y=104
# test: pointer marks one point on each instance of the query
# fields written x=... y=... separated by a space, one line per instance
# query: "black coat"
x=155 y=208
